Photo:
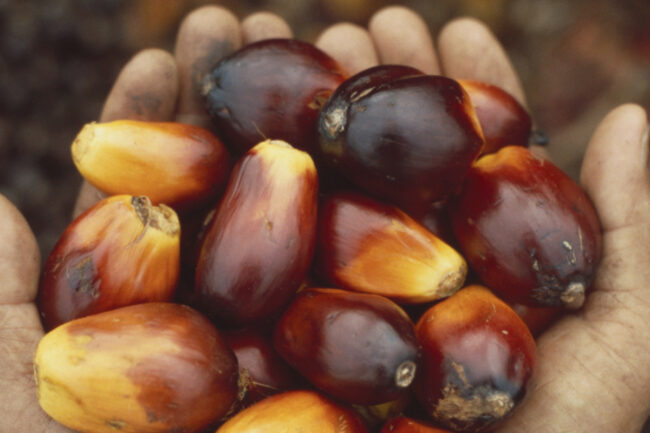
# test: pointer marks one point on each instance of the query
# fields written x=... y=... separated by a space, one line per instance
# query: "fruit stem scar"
x=574 y=295
x=159 y=217
x=335 y=122
x=405 y=374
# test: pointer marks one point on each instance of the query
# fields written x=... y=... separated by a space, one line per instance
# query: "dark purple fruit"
x=357 y=347
x=270 y=89
x=400 y=135
x=530 y=232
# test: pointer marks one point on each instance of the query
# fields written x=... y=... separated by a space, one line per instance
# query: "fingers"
x=88 y=195
x=351 y=46
x=264 y=25
x=469 y=50
x=396 y=35
x=402 y=37
x=19 y=257
x=615 y=176
x=20 y=332
x=20 y=327
x=205 y=36
x=146 y=89
x=577 y=376
x=615 y=168
x=599 y=357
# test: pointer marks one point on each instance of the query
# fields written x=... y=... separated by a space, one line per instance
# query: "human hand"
x=592 y=369
x=591 y=360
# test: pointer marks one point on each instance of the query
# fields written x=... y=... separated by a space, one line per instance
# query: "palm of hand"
x=597 y=355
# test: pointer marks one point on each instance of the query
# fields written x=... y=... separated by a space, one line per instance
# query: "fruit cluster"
x=349 y=254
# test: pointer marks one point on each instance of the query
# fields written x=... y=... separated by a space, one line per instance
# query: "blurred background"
x=577 y=60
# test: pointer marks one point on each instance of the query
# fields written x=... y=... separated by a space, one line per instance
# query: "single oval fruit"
x=504 y=121
x=272 y=89
x=357 y=347
x=295 y=411
x=259 y=246
x=477 y=358
x=119 y=252
x=402 y=136
x=181 y=165
x=147 y=368
x=528 y=230
x=368 y=246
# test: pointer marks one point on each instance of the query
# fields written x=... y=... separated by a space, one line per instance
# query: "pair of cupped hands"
x=593 y=372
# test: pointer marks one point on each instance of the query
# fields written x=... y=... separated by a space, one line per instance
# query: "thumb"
x=592 y=373
x=615 y=168
x=20 y=326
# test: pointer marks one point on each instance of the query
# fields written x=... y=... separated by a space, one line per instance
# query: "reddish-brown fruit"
x=528 y=230
x=259 y=246
x=261 y=368
x=357 y=347
x=436 y=220
x=402 y=136
x=154 y=367
x=408 y=425
x=121 y=251
x=368 y=246
x=270 y=89
x=292 y=412
x=477 y=357
x=504 y=121
x=182 y=166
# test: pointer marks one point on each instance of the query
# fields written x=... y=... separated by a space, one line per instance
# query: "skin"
x=592 y=372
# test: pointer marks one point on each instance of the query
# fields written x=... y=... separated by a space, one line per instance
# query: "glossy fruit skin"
x=369 y=246
x=121 y=251
x=404 y=137
x=528 y=230
x=538 y=319
x=295 y=411
x=154 y=367
x=261 y=368
x=408 y=425
x=259 y=246
x=180 y=165
x=357 y=347
x=270 y=89
x=436 y=220
x=478 y=356
x=504 y=121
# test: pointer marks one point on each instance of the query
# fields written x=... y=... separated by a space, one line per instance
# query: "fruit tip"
x=81 y=143
x=405 y=374
x=160 y=217
x=573 y=297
